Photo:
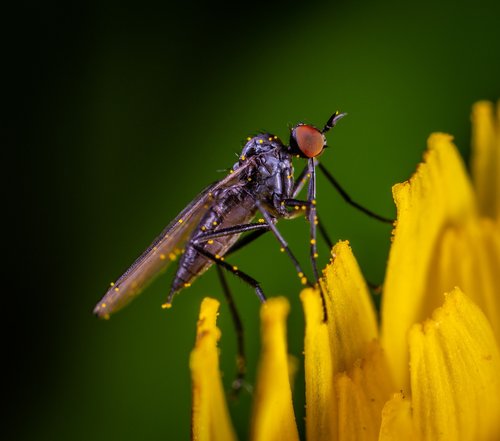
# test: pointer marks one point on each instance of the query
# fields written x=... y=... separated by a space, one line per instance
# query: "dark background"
x=118 y=114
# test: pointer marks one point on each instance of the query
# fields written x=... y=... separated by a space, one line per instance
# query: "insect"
x=211 y=226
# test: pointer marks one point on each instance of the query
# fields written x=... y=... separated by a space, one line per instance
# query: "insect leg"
x=348 y=199
x=219 y=260
x=300 y=210
x=245 y=241
x=323 y=232
x=312 y=217
x=236 y=229
x=210 y=235
x=313 y=222
x=238 y=327
x=284 y=245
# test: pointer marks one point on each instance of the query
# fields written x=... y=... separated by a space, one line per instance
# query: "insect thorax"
x=271 y=175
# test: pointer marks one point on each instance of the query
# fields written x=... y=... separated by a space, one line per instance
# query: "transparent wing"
x=164 y=249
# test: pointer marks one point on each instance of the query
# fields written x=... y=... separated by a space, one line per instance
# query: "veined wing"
x=164 y=249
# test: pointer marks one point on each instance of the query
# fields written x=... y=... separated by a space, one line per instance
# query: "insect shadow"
x=210 y=228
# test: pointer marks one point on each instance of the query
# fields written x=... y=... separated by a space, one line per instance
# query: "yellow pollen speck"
x=261 y=221
x=300 y=274
x=315 y=255
x=313 y=242
x=309 y=175
x=172 y=256
x=222 y=259
x=217 y=256
x=270 y=139
x=303 y=207
x=297 y=156
x=231 y=171
x=260 y=141
x=282 y=249
x=303 y=280
x=249 y=179
x=103 y=305
x=210 y=242
x=162 y=256
x=248 y=138
x=166 y=305
x=112 y=284
x=243 y=157
x=180 y=221
x=105 y=317
x=203 y=228
x=316 y=222
x=187 y=285
x=117 y=289
x=289 y=177
x=214 y=223
x=235 y=268
x=313 y=202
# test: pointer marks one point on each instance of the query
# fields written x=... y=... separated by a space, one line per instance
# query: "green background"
x=123 y=113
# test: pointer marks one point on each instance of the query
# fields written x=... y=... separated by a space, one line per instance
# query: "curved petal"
x=352 y=321
x=347 y=379
x=361 y=395
x=210 y=419
x=272 y=417
x=485 y=158
x=469 y=257
x=455 y=380
x=437 y=196
x=320 y=402
x=397 y=420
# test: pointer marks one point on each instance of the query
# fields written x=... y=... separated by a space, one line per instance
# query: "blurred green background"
x=123 y=113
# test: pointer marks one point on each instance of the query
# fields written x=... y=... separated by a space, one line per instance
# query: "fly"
x=210 y=227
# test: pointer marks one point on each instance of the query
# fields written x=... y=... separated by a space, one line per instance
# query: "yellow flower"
x=210 y=416
x=432 y=370
x=444 y=237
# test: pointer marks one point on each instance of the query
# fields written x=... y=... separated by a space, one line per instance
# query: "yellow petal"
x=397 y=421
x=455 y=374
x=352 y=319
x=210 y=416
x=320 y=402
x=344 y=343
x=469 y=257
x=485 y=158
x=272 y=417
x=361 y=394
x=438 y=195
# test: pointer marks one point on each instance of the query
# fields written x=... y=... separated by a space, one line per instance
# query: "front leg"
x=309 y=208
x=270 y=221
x=311 y=215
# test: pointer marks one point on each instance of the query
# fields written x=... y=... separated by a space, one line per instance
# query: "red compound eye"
x=309 y=140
